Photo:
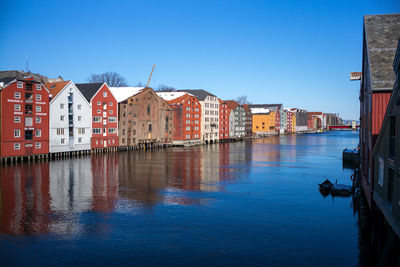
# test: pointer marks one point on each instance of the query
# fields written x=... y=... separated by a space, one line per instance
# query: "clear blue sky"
x=298 y=53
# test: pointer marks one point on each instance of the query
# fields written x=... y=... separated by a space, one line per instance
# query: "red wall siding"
x=27 y=147
x=379 y=105
x=98 y=140
x=223 y=121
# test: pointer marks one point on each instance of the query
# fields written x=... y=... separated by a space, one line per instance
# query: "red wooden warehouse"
x=223 y=120
x=104 y=109
x=24 y=115
x=187 y=116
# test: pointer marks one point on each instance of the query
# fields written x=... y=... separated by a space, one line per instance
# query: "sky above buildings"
x=298 y=53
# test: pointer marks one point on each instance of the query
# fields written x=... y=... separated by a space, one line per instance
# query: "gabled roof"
x=9 y=76
x=232 y=105
x=382 y=33
x=55 y=88
x=199 y=93
x=123 y=93
x=89 y=89
x=260 y=110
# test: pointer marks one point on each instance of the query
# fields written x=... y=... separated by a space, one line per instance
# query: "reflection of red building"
x=223 y=120
x=105 y=182
x=25 y=199
x=24 y=115
x=187 y=169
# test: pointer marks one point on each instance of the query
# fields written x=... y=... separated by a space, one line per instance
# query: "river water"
x=246 y=203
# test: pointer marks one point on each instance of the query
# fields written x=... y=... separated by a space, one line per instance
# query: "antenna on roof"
x=151 y=73
x=26 y=64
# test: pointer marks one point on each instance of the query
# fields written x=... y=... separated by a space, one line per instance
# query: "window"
x=38 y=109
x=62 y=140
x=38 y=87
x=79 y=107
x=112 y=119
x=111 y=112
x=98 y=111
x=20 y=85
x=38 y=145
x=96 y=130
x=187 y=108
x=17 y=133
x=38 y=119
x=81 y=130
x=60 y=131
x=188 y=128
x=17 y=95
x=38 y=133
x=104 y=94
x=28 y=134
x=38 y=97
x=187 y=121
x=390 y=185
x=62 y=118
x=187 y=115
x=17 y=146
x=381 y=170
x=17 y=107
x=80 y=140
x=112 y=130
x=98 y=103
x=96 y=119
x=110 y=104
x=150 y=126
x=104 y=106
x=79 y=118
x=392 y=137
x=188 y=136
x=17 y=119
x=148 y=109
x=62 y=106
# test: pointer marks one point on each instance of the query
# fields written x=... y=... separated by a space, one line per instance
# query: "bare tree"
x=166 y=88
x=112 y=79
x=140 y=84
x=242 y=100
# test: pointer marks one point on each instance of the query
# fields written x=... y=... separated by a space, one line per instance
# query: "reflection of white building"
x=210 y=169
x=70 y=192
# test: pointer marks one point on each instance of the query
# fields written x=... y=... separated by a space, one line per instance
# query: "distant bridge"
x=343 y=127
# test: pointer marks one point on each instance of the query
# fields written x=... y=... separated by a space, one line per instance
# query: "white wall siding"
x=70 y=144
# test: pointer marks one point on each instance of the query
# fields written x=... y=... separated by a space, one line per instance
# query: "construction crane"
x=151 y=73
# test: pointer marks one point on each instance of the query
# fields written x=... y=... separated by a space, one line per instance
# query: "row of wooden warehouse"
x=41 y=116
x=379 y=130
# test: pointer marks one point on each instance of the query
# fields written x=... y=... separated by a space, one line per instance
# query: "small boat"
x=326 y=188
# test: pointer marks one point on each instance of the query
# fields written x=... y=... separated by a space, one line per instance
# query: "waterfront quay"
x=254 y=202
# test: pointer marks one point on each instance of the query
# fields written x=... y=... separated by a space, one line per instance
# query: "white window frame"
x=17 y=146
x=38 y=97
x=17 y=107
x=38 y=109
x=20 y=84
x=104 y=94
x=62 y=106
x=38 y=133
x=17 y=133
x=17 y=119
x=17 y=95
x=38 y=145
x=38 y=119
x=38 y=87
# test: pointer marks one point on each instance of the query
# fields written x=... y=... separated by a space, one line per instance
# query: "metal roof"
x=382 y=33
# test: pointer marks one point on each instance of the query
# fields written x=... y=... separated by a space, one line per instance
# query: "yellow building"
x=263 y=120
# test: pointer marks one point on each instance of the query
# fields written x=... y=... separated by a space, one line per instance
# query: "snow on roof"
x=167 y=96
x=122 y=93
x=259 y=110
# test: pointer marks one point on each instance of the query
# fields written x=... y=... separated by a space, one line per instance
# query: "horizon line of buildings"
x=41 y=116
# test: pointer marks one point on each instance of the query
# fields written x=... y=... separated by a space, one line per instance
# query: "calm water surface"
x=245 y=203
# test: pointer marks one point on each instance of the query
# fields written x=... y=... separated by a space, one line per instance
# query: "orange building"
x=223 y=120
x=263 y=120
x=187 y=116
